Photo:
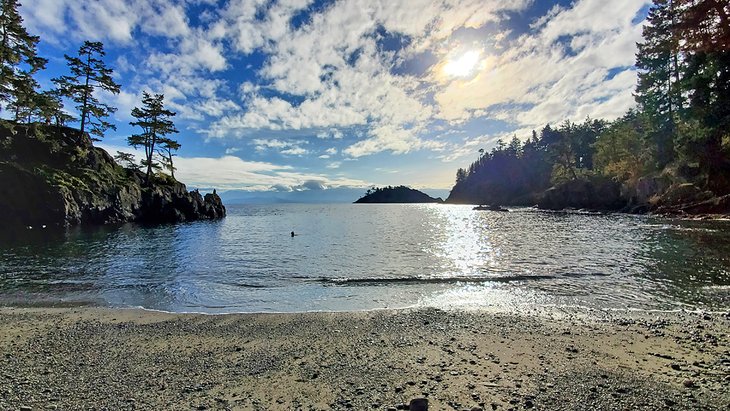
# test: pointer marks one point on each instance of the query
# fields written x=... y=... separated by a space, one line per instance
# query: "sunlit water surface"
x=357 y=257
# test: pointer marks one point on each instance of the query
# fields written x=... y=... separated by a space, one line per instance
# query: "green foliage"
x=61 y=178
x=18 y=62
x=126 y=160
x=89 y=73
x=167 y=147
x=156 y=124
x=623 y=151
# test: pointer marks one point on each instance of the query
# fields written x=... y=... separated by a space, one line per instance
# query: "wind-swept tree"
x=18 y=60
x=88 y=74
x=167 y=146
x=155 y=122
x=126 y=159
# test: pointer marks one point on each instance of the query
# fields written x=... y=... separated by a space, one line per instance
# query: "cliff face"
x=54 y=176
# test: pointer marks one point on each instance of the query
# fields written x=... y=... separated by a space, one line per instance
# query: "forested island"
x=670 y=155
x=399 y=194
x=52 y=175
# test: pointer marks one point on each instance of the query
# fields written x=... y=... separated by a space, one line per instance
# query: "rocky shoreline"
x=74 y=358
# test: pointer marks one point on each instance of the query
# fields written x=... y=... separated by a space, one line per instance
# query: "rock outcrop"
x=594 y=193
x=55 y=176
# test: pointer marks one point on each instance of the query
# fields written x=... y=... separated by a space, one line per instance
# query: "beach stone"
x=418 y=404
x=26 y=408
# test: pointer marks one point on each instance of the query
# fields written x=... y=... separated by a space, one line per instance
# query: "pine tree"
x=658 y=91
x=49 y=108
x=126 y=159
x=155 y=122
x=18 y=59
x=167 y=146
x=88 y=74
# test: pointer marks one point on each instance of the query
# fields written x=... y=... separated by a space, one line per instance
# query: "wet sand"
x=96 y=358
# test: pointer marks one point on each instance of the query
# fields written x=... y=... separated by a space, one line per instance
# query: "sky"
x=309 y=95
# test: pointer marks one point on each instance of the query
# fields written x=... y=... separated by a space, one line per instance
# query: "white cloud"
x=331 y=77
x=231 y=173
x=561 y=80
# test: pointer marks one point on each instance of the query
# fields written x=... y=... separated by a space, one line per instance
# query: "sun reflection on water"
x=467 y=245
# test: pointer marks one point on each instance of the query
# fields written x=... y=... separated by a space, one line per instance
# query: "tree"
x=126 y=159
x=88 y=74
x=24 y=96
x=18 y=59
x=622 y=151
x=167 y=146
x=460 y=176
x=658 y=90
x=155 y=122
x=49 y=108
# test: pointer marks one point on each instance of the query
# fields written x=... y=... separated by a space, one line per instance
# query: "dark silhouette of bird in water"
x=292 y=234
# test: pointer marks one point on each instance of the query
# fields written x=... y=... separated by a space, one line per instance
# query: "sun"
x=463 y=66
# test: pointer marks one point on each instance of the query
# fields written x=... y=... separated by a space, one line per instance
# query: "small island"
x=400 y=194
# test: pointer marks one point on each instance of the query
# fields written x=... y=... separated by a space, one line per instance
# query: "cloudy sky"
x=281 y=94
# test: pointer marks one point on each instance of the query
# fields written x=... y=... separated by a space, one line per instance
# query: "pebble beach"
x=126 y=359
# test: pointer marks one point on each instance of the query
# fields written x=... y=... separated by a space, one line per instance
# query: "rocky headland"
x=54 y=176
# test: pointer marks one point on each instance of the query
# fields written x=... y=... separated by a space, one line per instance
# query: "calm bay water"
x=355 y=257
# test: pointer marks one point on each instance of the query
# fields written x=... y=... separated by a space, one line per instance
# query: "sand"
x=116 y=359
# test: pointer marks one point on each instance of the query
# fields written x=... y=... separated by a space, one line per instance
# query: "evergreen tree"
x=658 y=91
x=49 y=108
x=704 y=30
x=126 y=159
x=155 y=122
x=18 y=59
x=88 y=74
x=24 y=96
x=167 y=146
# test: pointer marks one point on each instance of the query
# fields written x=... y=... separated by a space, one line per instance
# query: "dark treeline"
x=679 y=133
x=24 y=103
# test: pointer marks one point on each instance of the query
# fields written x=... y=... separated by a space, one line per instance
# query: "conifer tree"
x=155 y=122
x=658 y=91
x=18 y=59
x=88 y=74
x=167 y=146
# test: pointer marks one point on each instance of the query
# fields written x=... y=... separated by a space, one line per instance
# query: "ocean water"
x=358 y=257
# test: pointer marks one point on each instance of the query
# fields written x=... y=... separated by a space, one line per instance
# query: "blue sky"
x=295 y=94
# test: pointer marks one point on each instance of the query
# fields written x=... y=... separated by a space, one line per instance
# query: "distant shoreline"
x=126 y=358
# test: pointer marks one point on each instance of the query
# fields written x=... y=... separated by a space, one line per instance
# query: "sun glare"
x=463 y=66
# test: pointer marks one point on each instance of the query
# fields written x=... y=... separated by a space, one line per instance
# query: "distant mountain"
x=311 y=196
x=400 y=194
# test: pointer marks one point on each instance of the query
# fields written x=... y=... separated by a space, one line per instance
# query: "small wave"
x=670 y=227
x=430 y=280
x=243 y=285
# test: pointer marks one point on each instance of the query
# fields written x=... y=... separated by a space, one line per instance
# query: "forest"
x=678 y=134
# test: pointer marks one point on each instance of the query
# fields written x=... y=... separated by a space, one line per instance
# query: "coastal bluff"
x=400 y=194
x=54 y=176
